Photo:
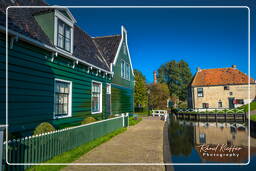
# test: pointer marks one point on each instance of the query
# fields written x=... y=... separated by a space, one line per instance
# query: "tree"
x=159 y=94
x=177 y=76
x=140 y=92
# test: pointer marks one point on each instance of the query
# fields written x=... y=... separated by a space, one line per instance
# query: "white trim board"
x=123 y=30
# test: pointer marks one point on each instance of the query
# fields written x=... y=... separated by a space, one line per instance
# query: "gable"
x=123 y=50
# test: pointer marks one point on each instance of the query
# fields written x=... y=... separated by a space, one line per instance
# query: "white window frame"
x=59 y=16
x=100 y=83
x=125 y=75
x=69 y=99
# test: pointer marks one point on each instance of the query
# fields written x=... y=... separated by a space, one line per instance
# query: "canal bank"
x=142 y=143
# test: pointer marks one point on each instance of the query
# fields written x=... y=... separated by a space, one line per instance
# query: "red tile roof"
x=220 y=76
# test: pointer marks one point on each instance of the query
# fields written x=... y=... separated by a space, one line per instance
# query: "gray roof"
x=91 y=50
x=108 y=46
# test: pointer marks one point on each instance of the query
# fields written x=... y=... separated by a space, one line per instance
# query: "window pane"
x=60 y=40
x=96 y=97
x=68 y=32
x=61 y=27
x=61 y=98
x=67 y=44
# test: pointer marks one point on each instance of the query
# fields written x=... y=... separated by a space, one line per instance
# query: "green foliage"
x=89 y=120
x=159 y=94
x=177 y=76
x=74 y=154
x=134 y=120
x=140 y=90
x=252 y=106
x=253 y=117
x=181 y=138
x=111 y=116
x=43 y=128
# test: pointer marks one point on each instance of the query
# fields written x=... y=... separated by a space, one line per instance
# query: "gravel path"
x=142 y=143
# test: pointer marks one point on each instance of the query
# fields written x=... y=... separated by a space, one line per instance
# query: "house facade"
x=221 y=88
x=57 y=73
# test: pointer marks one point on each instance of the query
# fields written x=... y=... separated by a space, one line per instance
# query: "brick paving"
x=142 y=143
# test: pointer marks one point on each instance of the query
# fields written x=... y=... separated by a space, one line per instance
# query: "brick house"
x=220 y=88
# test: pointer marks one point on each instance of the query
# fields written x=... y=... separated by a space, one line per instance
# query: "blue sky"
x=205 y=38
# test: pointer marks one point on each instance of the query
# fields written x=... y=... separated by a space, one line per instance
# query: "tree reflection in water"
x=181 y=138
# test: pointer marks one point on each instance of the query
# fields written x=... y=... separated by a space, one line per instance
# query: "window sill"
x=96 y=112
x=125 y=79
x=63 y=51
x=61 y=117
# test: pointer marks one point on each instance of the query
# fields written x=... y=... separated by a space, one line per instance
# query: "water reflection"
x=198 y=142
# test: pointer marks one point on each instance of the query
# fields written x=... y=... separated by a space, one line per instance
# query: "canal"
x=210 y=142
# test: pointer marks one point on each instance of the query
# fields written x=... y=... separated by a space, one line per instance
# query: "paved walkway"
x=142 y=143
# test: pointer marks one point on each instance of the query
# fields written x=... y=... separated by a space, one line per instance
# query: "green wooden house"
x=56 y=72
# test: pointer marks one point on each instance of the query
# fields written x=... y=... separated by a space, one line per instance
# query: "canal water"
x=210 y=142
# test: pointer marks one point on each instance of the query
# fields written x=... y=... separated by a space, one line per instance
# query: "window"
x=64 y=36
x=202 y=138
x=108 y=89
x=226 y=87
x=122 y=69
x=205 y=105
x=125 y=70
x=96 y=97
x=231 y=93
x=200 y=92
x=220 y=104
x=62 y=98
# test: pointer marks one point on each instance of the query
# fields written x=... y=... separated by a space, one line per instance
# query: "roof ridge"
x=220 y=68
x=99 y=37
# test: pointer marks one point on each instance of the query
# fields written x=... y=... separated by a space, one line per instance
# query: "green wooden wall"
x=122 y=89
x=31 y=87
x=46 y=22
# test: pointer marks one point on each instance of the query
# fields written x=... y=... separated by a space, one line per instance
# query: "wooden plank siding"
x=122 y=99
x=31 y=77
x=122 y=89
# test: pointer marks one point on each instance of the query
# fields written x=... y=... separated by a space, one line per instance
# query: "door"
x=231 y=102
x=108 y=100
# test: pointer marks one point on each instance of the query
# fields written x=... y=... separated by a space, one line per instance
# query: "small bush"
x=111 y=116
x=89 y=120
x=43 y=128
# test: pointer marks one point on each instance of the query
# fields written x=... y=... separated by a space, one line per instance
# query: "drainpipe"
x=2 y=128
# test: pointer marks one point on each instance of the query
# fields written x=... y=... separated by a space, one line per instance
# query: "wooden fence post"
x=2 y=128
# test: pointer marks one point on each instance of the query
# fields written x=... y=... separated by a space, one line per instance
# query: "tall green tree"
x=140 y=92
x=177 y=76
x=159 y=94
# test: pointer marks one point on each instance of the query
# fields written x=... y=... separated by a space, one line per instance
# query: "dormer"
x=58 y=25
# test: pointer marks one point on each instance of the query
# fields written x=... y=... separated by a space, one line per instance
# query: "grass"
x=143 y=114
x=252 y=106
x=253 y=117
x=72 y=155
x=134 y=120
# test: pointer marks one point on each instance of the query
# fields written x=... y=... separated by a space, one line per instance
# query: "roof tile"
x=220 y=76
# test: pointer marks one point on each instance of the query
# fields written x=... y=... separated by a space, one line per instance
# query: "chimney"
x=155 y=79
x=198 y=69
x=234 y=66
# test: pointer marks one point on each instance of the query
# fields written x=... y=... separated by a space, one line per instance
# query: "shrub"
x=89 y=120
x=43 y=128
x=111 y=116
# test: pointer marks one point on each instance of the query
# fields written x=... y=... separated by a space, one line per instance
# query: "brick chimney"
x=155 y=79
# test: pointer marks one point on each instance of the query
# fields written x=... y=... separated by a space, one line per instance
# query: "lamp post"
x=148 y=102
